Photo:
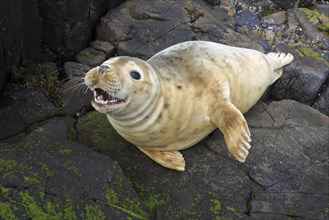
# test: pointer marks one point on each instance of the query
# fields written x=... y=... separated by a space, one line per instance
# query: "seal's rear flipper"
x=278 y=61
x=170 y=159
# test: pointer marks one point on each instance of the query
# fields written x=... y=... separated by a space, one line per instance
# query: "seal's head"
x=122 y=85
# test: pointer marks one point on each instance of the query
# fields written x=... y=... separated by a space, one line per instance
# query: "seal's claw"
x=247 y=138
x=170 y=159
x=246 y=144
x=241 y=152
x=244 y=149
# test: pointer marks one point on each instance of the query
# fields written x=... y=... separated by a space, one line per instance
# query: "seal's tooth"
x=100 y=97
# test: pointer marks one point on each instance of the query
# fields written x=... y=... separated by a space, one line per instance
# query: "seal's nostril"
x=102 y=68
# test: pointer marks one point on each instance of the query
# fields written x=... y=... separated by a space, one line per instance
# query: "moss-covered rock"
x=43 y=77
x=95 y=130
x=319 y=19
x=45 y=176
x=306 y=51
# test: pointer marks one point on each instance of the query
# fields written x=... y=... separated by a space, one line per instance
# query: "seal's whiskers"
x=75 y=84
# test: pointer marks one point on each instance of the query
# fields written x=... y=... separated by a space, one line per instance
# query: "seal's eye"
x=135 y=75
x=102 y=68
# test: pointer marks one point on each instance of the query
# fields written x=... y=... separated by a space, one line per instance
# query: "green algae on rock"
x=100 y=132
x=306 y=51
x=54 y=178
x=94 y=212
x=319 y=19
x=43 y=77
x=129 y=204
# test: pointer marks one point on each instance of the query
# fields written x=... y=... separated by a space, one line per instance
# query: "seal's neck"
x=147 y=112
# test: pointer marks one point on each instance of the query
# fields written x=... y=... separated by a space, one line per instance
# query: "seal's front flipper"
x=235 y=129
x=170 y=159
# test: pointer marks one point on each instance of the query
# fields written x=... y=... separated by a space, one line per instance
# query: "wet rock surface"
x=49 y=177
x=67 y=162
x=304 y=79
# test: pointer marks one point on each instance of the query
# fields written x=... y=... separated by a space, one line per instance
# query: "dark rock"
x=277 y=18
x=303 y=79
x=3 y=69
x=287 y=159
x=289 y=164
x=10 y=122
x=47 y=176
x=34 y=107
x=20 y=30
x=265 y=7
x=213 y=2
x=322 y=101
x=30 y=107
x=286 y=4
x=267 y=48
x=261 y=8
x=115 y=3
x=323 y=9
x=103 y=46
x=64 y=27
x=77 y=98
x=247 y=19
x=68 y=25
x=206 y=28
x=220 y=14
x=102 y=131
x=10 y=38
x=52 y=14
x=326 y=55
x=145 y=30
x=311 y=76
x=309 y=29
x=48 y=55
x=73 y=69
x=77 y=35
x=292 y=21
x=16 y=137
x=90 y=57
x=32 y=30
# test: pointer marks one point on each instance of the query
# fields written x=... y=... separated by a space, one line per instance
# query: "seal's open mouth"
x=104 y=98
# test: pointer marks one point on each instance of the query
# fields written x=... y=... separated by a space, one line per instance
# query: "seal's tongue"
x=102 y=94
